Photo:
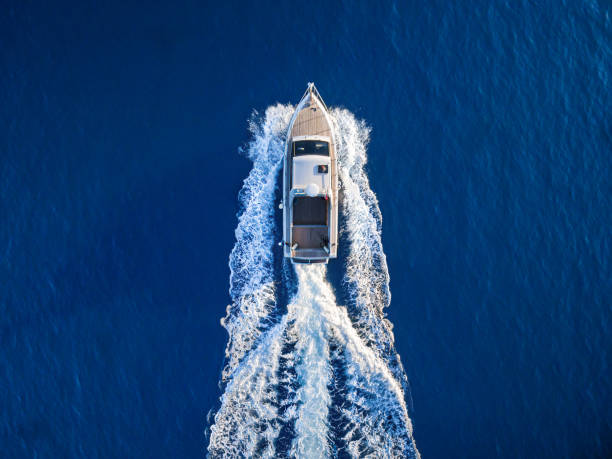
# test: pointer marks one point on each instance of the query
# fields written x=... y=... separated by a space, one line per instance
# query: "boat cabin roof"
x=309 y=169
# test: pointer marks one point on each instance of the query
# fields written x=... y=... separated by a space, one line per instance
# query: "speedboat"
x=310 y=183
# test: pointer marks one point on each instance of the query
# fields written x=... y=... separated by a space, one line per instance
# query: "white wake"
x=247 y=419
x=367 y=276
x=252 y=274
x=288 y=373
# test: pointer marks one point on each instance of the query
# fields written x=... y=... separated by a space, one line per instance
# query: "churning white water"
x=260 y=398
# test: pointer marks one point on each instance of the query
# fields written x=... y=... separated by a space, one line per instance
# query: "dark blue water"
x=119 y=171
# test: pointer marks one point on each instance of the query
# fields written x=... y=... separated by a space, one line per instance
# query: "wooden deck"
x=311 y=120
x=309 y=237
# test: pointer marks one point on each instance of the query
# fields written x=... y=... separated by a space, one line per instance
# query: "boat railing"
x=312 y=89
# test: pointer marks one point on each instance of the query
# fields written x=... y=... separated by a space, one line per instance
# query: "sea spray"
x=247 y=424
x=367 y=276
x=378 y=422
x=313 y=370
x=251 y=261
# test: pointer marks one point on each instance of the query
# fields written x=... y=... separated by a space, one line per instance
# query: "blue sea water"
x=119 y=174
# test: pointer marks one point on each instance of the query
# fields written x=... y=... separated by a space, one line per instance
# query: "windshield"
x=310 y=147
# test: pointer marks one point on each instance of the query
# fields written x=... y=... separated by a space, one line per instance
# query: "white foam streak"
x=367 y=276
x=247 y=422
x=252 y=276
x=313 y=298
x=373 y=395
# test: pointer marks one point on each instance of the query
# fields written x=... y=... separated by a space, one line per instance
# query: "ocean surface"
x=138 y=230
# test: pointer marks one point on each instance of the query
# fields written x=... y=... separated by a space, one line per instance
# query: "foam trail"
x=279 y=370
x=247 y=420
x=374 y=404
x=313 y=298
x=367 y=276
x=251 y=262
